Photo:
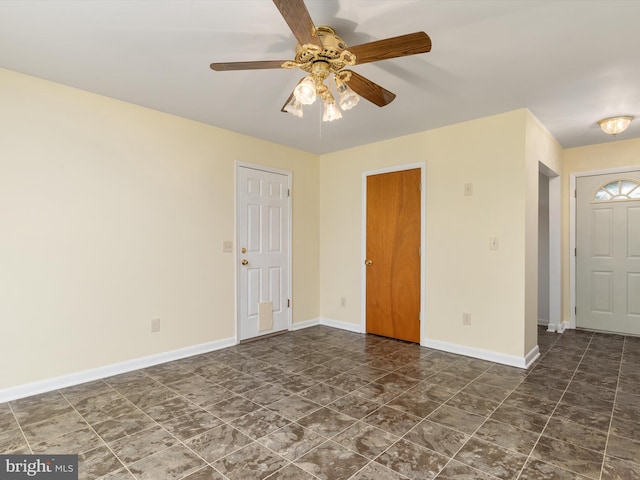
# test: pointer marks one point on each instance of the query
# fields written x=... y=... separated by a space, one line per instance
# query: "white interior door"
x=263 y=252
x=608 y=252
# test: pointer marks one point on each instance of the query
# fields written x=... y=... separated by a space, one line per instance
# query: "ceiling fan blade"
x=297 y=16
x=370 y=90
x=221 y=67
x=401 y=46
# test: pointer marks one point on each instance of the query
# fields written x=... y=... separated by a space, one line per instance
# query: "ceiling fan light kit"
x=294 y=107
x=347 y=98
x=615 y=125
x=321 y=52
x=305 y=92
x=331 y=111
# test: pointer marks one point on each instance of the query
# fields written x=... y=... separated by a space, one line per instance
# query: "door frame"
x=237 y=255
x=363 y=245
x=555 y=249
x=573 y=226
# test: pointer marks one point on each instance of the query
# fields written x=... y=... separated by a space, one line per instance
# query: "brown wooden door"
x=393 y=255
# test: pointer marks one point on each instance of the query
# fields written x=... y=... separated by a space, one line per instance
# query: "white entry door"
x=263 y=252
x=608 y=252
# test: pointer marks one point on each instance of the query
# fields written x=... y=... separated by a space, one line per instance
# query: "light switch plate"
x=494 y=243
x=468 y=189
x=227 y=246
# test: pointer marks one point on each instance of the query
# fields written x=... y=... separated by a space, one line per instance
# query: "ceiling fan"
x=321 y=52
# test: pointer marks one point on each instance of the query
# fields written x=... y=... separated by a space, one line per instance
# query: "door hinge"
x=419 y=251
x=575 y=252
x=575 y=193
x=575 y=309
x=288 y=303
x=420 y=186
x=288 y=192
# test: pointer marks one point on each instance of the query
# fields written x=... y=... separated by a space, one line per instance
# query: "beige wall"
x=616 y=154
x=114 y=214
x=340 y=219
x=462 y=274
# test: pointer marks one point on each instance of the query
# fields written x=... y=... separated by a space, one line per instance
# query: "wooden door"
x=263 y=241
x=393 y=255
x=608 y=253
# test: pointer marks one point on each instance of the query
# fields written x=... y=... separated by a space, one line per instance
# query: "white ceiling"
x=570 y=62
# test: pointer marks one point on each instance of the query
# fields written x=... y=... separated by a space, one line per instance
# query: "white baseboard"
x=327 y=322
x=351 y=327
x=306 y=324
x=543 y=321
x=42 y=386
x=561 y=327
x=532 y=356
x=511 y=360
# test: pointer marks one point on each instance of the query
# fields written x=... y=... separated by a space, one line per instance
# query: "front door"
x=608 y=253
x=393 y=255
x=263 y=242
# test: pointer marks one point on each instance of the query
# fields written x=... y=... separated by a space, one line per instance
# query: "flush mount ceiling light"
x=615 y=125
x=321 y=53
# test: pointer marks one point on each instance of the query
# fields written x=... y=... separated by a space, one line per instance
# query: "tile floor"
x=327 y=404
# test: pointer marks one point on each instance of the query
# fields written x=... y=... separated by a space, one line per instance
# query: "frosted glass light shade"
x=305 y=91
x=331 y=111
x=615 y=125
x=294 y=107
x=347 y=98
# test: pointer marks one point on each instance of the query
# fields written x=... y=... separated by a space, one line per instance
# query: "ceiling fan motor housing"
x=334 y=51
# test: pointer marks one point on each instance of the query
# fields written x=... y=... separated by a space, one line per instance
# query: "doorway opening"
x=549 y=250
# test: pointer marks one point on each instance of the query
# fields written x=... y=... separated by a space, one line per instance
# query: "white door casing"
x=263 y=247
x=608 y=253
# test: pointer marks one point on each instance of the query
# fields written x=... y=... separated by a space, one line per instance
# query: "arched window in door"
x=618 y=190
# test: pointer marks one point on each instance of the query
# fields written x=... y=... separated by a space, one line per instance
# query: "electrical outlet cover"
x=155 y=325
